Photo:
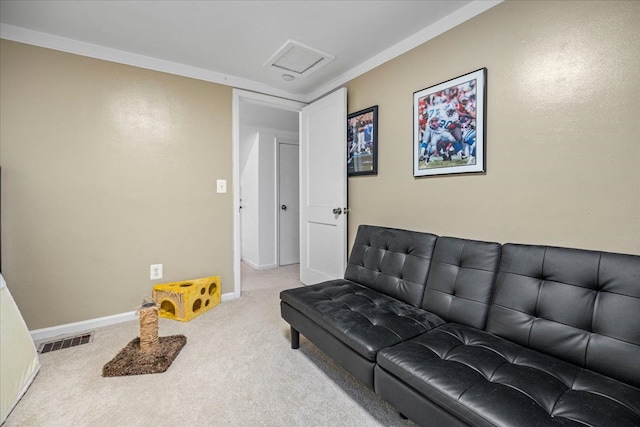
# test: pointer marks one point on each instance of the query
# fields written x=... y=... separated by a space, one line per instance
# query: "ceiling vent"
x=298 y=60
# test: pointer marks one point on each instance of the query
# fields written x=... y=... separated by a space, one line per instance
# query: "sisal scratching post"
x=148 y=354
x=148 y=327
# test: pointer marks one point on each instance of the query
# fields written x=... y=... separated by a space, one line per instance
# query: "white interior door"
x=288 y=204
x=323 y=189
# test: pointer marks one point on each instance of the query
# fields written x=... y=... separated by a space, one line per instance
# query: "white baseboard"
x=250 y=263
x=83 y=326
x=227 y=297
x=259 y=266
x=87 y=325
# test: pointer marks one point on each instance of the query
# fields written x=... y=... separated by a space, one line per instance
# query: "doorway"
x=260 y=121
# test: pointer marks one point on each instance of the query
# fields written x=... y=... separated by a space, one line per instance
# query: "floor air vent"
x=65 y=343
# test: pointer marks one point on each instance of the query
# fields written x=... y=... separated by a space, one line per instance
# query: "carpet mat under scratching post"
x=132 y=361
x=148 y=354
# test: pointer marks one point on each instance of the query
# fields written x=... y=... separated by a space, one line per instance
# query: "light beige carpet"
x=237 y=369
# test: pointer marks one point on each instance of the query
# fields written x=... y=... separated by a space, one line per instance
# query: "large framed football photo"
x=449 y=126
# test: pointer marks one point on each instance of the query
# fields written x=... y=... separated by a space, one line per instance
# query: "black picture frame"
x=449 y=126
x=362 y=142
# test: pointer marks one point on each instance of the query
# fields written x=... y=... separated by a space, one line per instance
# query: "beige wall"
x=563 y=129
x=107 y=169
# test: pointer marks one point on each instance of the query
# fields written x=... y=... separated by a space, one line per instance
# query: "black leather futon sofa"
x=456 y=332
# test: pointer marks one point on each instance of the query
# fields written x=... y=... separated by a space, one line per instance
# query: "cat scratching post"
x=148 y=354
x=148 y=327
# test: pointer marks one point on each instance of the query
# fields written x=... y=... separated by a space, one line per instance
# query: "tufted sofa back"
x=392 y=261
x=461 y=280
x=577 y=305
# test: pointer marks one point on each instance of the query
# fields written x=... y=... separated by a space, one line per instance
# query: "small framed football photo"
x=362 y=142
x=449 y=126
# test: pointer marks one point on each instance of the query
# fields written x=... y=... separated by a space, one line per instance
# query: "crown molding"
x=476 y=7
x=64 y=44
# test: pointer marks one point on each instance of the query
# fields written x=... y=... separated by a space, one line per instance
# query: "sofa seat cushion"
x=362 y=318
x=474 y=374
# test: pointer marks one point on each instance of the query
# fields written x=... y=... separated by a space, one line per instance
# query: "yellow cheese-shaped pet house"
x=187 y=299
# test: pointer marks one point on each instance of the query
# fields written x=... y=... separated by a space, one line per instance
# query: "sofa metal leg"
x=295 y=339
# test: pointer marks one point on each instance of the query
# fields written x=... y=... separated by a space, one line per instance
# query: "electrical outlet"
x=156 y=271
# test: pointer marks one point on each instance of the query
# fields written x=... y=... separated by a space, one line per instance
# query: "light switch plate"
x=221 y=186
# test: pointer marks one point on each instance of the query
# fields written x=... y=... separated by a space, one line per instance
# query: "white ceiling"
x=229 y=41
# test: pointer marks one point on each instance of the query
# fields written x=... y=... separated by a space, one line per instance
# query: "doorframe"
x=239 y=95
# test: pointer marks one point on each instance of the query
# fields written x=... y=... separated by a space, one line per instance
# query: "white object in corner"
x=19 y=363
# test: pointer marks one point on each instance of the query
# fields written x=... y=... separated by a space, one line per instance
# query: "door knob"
x=337 y=211
x=283 y=207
